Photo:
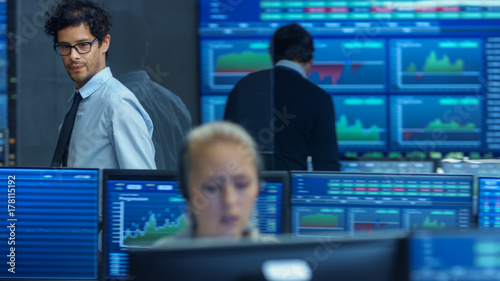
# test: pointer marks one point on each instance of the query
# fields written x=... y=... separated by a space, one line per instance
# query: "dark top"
x=301 y=115
x=171 y=119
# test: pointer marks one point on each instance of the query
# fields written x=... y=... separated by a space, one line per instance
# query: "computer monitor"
x=272 y=207
x=478 y=168
x=387 y=166
x=488 y=203
x=144 y=206
x=318 y=259
x=470 y=255
x=50 y=224
x=408 y=77
x=325 y=203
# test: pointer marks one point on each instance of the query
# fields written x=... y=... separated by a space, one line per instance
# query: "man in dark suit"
x=289 y=117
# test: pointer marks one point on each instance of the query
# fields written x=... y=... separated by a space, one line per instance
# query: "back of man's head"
x=74 y=12
x=292 y=42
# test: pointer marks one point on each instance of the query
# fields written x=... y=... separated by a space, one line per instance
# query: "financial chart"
x=386 y=54
x=339 y=203
x=140 y=212
x=361 y=121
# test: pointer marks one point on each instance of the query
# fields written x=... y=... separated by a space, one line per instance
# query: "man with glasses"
x=106 y=126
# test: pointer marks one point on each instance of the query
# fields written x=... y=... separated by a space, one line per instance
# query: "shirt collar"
x=292 y=65
x=94 y=83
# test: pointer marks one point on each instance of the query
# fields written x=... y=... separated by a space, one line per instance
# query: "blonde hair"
x=211 y=133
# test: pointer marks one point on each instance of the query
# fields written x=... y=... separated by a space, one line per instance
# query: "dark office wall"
x=44 y=87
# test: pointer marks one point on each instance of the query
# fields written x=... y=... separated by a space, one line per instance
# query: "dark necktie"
x=61 y=154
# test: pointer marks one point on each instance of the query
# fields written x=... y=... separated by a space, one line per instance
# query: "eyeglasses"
x=81 y=48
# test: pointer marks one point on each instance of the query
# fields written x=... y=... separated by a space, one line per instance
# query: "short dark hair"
x=74 y=12
x=292 y=42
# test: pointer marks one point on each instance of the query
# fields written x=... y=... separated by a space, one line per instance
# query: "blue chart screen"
x=436 y=65
x=464 y=256
x=227 y=61
x=348 y=65
x=440 y=121
x=361 y=121
x=489 y=203
x=268 y=209
x=402 y=167
x=138 y=214
x=50 y=224
x=213 y=108
x=387 y=51
x=359 y=204
x=141 y=212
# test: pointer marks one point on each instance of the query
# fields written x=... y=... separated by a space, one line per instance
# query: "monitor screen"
x=487 y=168
x=360 y=204
x=144 y=206
x=50 y=219
x=488 y=203
x=140 y=208
x=403 y=167
x=382 y=259
x=383 y=63
x=455 y=256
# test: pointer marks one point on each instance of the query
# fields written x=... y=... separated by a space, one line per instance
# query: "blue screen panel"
x=439 y=60
x=436 y=65
x=140 y=211
x=436 y=121
x=267 y=214
x=402 y=167
x=359 y=204
x=213 y=108
x=361 y=121
x=50 y=224
x=489 y=200
x=225 y=62
x=476 y=168
x=457 y=256
x=349 y=65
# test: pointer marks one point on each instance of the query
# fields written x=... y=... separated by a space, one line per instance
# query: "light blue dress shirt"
x=112 y=130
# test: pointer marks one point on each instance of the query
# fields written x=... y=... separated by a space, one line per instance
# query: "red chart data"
x=349 y=65
x=364 y=221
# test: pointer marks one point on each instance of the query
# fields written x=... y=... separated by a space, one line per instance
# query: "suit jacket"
x=289 y=117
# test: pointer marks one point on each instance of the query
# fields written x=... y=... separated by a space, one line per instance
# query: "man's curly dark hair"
x=74 y=12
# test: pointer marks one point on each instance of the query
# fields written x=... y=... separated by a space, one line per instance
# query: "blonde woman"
x=219 y=177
